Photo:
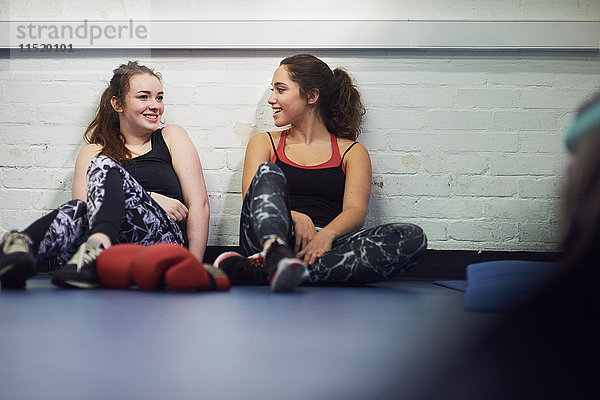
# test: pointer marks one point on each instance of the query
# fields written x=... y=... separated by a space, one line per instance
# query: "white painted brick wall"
x=466 y=144
x=477 y=162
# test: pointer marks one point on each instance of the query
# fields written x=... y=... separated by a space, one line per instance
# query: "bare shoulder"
x=358 y=150
x=260 y=145
x=176 y=137
x=262 y=138
x=173 y=131
x=89 y=151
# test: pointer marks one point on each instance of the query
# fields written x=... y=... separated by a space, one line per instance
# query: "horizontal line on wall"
x=132 y=34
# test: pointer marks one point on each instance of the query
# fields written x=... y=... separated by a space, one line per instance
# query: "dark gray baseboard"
x=434 y=265
x=452 y=264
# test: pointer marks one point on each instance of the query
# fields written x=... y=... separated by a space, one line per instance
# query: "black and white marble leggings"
x=144 y=222
x=364 y=256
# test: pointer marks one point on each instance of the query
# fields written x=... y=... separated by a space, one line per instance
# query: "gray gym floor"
x=373 y=342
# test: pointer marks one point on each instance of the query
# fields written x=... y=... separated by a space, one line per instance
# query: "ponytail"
x=345 y=108
x=104 y=129
x=339 y=101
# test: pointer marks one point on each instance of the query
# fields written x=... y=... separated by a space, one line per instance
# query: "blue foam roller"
x=504 y=285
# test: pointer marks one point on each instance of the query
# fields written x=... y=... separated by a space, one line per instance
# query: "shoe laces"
x=86 y=255
x=13 y=242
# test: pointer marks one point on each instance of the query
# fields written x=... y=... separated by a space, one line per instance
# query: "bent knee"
x=405 y=230
x=269 y=171
x=75 y=203
x=72 y=210
x=412 y=236
x=268 y=167
x=104 y=161
x=101 y=163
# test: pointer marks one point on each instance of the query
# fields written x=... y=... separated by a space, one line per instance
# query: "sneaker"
x=17 y=263
x=287 y=270
x=80 y=272
x=243 y=270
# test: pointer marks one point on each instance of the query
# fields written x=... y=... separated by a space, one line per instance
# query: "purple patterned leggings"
x=144 y=222
x=364 y=256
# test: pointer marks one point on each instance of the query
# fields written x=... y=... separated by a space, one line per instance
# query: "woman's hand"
x=319 y=245
x=304 y=230
x=173 y=207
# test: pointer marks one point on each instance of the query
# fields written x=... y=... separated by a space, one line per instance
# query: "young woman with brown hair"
x=133 y=183
x=306 y=191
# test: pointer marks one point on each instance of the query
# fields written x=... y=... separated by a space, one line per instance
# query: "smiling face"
x=288 y=104
x=142 y=107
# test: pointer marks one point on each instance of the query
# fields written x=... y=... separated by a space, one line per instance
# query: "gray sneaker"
x=286 y=270
x=17 y=263
x=80 y=272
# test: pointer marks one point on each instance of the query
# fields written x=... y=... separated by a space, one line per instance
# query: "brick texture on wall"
x=466 y=144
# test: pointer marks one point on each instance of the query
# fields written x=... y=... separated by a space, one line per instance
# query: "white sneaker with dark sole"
x=80 y=272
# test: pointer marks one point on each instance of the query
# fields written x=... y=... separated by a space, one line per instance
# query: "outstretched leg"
x=370 y=255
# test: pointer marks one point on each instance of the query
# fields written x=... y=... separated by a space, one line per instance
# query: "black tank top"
x=315 y=190
x=154 y=171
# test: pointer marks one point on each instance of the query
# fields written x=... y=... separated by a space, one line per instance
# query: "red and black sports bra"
x=314 y=190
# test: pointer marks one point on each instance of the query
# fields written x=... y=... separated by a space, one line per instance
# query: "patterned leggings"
x=364 y=256
x=144 y=222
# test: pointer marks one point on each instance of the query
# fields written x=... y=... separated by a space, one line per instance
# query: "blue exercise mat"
x=502 y=285
x=368 y=342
